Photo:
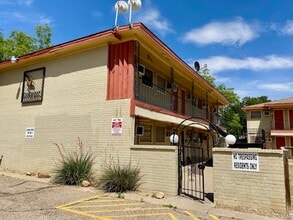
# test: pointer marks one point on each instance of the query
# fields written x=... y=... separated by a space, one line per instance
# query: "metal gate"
x=190 y=167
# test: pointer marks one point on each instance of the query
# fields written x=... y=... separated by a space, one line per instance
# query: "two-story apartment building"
x=271 y=122
x=123 y=92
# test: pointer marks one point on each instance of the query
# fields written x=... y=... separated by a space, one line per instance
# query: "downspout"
x=136 y=74
x=172 y=92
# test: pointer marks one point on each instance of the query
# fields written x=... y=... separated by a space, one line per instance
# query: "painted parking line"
x=103 y=207
x=193 y=217
x=214 y=217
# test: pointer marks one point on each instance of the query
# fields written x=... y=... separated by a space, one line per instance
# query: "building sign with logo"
x=245 y=161
x=117 y=126
x=33 y=85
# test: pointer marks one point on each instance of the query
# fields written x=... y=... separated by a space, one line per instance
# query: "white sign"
x=245 y=161
x=29 y=132
x=117 y=126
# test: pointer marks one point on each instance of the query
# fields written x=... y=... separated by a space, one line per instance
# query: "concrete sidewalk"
x=201 y=208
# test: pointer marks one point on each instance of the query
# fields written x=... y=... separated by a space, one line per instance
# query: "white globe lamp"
x=174 y=138
x=230 y=139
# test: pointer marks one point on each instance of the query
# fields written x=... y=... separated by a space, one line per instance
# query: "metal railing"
x=279 y=125
x=168 y=100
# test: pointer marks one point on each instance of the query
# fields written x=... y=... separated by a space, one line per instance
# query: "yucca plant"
x=118 y=178
x=74 y=167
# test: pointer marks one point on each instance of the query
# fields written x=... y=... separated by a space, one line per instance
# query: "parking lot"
x=27 y=197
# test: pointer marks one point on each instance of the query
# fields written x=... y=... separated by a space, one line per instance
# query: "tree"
x=231 y=114
x=44 y=35
x=254 y=100
x=19 y=43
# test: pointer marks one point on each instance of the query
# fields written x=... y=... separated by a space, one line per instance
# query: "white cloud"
x=288 y=28
x=152 y=18
x=279 y=87
x=45 y=20
x=235 y=32
x=25 y=2
x=223 y=63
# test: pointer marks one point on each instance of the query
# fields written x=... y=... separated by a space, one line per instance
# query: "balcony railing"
x=170 y=100
x=282 y=125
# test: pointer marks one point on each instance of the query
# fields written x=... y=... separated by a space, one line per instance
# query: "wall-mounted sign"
x=29 y=133
x=117 y=126
x=245 y=161
x=33 y=85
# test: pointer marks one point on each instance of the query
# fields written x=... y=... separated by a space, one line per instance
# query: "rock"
x=43 y=175
x=158 y=195
x=85 y=183
x=28 y=174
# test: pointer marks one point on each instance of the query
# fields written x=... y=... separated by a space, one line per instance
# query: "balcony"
x=282 y=125
x=174 y=100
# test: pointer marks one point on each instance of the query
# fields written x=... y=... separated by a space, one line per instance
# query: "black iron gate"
x=191 y=167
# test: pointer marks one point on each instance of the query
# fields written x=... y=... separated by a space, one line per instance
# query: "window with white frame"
x=160 y=133
x=255 y=114
x=147 y=78
x=161 y=84
x=147 y=134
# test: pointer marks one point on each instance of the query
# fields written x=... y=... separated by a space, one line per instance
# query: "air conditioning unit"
x=174 y=87
x=139 y=131
x=266 y=113
x=141 y=70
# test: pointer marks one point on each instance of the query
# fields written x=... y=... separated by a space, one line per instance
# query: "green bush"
x=118 y=178
x=74 y=167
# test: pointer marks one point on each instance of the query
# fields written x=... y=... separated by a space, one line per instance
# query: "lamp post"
x=229 y=139
x=174 y=138
x=122 y=6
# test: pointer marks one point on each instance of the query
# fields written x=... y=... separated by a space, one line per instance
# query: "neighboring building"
x=270 y=123
x=122 y=92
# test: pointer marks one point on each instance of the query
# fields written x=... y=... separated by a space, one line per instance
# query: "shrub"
x=75 y=166
x=118 y=178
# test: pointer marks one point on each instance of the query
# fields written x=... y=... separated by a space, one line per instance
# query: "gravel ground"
x=27 y=199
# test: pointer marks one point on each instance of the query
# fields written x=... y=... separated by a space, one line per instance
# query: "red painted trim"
x=120 y=71
x=135 y=103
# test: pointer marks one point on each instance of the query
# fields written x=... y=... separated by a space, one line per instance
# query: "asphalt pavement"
x=28 y=197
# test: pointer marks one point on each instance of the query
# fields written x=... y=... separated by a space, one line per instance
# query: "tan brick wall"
x=74 y=105
x=263 y=190
x=159 y=166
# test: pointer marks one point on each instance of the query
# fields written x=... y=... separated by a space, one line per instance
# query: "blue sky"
x=246 y=44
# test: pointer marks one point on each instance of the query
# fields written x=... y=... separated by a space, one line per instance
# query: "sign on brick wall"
x=245 y=161
x=29 y=133
x=117 y=126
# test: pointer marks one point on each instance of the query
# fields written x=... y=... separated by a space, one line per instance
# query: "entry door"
x=175 y=101
x=279 y=119
x=280 y=142
x=182 y=102
x=291 y=120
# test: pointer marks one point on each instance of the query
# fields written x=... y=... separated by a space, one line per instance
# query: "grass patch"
x=75 y=166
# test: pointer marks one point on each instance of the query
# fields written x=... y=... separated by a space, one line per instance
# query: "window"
x=33 y=85
x=255 y=114
x=161 y=84
x=160 y=134
x=147 y=134
x=147 y=78
x=199 y=103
